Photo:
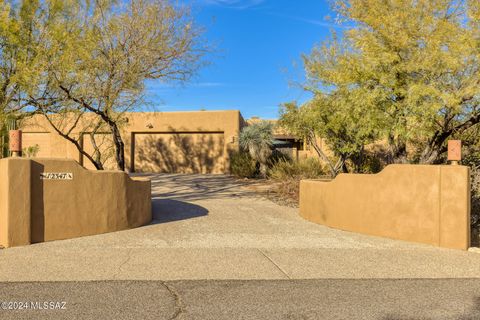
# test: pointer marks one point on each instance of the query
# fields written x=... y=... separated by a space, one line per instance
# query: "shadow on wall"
x=37 y=216
x=167 y=210
x=179 y=153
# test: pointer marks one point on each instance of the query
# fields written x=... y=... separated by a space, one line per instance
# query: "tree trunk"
x=96 y=150
x=344 y=167
x=434 y=148
x=311 y=139
x=97 y=164
x=357 y=160
x=117 y=138
x=263 y=170
x=398 y=151
x=119 y=146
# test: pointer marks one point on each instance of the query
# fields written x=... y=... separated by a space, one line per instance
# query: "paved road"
x=273 y=299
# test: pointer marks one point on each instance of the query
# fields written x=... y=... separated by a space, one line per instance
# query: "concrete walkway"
x=212 y=227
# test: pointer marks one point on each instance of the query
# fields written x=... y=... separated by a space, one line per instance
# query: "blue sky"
x=257 y=57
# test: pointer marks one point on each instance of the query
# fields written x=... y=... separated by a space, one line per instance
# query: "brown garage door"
x=200 y=152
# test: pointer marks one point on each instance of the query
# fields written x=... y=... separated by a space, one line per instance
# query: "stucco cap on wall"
x=397 y=168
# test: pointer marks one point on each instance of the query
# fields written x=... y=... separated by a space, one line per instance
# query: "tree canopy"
x=405 y=72
x=68 y=58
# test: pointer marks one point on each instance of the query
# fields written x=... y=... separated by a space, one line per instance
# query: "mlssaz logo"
x=56 y=176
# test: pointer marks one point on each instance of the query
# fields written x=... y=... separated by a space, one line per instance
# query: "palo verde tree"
x=304 y=122
x=17 y=58
x=345 y=132
x=409 y=68
x=97 y=56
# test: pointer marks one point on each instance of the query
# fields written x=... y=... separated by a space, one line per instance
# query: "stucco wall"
x=420 y=203
x=227 y=123
x=33 y=209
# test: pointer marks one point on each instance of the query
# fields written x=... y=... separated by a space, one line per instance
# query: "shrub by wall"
x=475 y=209
x=287 y=175
x=242 y=165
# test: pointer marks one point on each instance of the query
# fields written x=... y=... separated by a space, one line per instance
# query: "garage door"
x=179 y=152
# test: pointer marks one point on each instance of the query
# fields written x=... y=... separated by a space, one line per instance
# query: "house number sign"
x=56 y=176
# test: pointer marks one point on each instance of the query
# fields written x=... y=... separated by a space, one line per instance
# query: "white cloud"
x=209 y=84
x=234 y=4
x=161 y=86
x=319 y=23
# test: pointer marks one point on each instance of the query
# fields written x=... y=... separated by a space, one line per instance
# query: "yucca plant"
x=257 y=139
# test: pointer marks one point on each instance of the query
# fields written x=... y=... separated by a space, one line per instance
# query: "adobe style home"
x=164 y=142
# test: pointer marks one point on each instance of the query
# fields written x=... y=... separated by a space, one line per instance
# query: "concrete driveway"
x=219 y=251
x=213 y=227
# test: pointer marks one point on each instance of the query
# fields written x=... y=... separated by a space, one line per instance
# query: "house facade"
x=173 y=142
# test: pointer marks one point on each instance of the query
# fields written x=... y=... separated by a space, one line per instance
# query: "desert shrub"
x=242 y=165
x=309 y=168
x=475 y=209
x=374 y=160
x=277 y=156
x=31 y=151
x=472 y=159
x=286 y=175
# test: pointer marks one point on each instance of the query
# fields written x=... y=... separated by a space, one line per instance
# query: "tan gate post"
x=454 y=151
x=15 y=142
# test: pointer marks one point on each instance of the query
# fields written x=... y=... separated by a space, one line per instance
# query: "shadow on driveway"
x=193 y=187
x=168 y=210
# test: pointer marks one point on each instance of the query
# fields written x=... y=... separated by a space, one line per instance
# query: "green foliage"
x=257 y=139
x=304 y=122
x=31 y=151
x=341 y=121
x=372 y=160
x=475 y=178
x=406 y=73
x=9 y=123
x=301 y=121
x=475 y=204
x=66 y=58
x=242 y=165
x=471 y=152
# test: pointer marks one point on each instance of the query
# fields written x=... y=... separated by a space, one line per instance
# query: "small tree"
x=344 y=125
x=93 y=57
x=257 y=139
x=18 y=57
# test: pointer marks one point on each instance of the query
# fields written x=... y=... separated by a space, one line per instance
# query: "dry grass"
x=286 y=176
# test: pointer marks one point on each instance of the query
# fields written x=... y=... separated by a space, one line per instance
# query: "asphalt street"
x=387 y=299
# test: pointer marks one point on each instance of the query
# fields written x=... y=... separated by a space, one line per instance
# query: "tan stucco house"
x=180 y=142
